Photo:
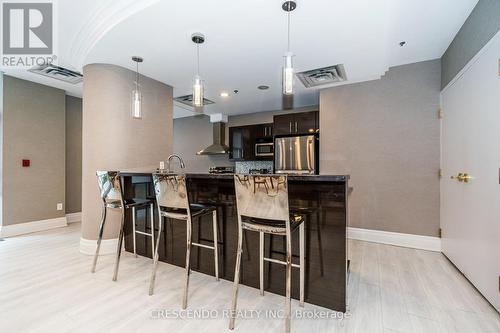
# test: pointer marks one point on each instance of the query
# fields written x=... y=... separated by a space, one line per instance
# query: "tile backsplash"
x=245 y=166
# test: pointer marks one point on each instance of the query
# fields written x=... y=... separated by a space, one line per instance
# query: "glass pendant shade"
x=288 y=74
x=136 y=104
x=197 y=91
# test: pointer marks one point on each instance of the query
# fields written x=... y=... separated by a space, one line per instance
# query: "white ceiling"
x=245 y=42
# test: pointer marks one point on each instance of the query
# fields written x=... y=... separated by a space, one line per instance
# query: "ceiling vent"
x=188 y=100
x=58 y=73
x=322 y=76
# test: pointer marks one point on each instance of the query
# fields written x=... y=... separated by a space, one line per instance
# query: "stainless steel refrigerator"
x=297 y=154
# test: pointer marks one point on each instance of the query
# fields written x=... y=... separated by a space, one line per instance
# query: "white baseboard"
x=29 y=227
x=74 y=217
x=88 y=246
x=395 y=238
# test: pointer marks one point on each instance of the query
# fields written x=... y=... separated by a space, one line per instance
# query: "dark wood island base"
x=321 y=199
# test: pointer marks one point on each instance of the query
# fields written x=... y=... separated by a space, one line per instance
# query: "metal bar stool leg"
x=155 y=258
x=151 y=211
x=236 y=276
x=99 y=238
x=216 y=243
x=288 y=301
x=261 y=262
x=119 y=247
x=133 y=230
x=302 y=250
x=188 y=255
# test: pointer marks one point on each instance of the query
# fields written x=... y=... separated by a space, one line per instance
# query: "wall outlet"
x=162 y=165
x=59 y=206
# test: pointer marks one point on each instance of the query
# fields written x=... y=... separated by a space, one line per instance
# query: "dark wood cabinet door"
x=284 y=124
x=240 y=143
x=305 y=122
x=258 y=131
x=265 y=131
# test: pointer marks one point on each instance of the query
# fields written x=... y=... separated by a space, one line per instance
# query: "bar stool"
x=173 y=202
x=262 y=206
x=110 y=186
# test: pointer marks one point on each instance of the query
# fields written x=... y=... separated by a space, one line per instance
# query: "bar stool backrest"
x=171 y=191
x=109 y=185
x=262 y=196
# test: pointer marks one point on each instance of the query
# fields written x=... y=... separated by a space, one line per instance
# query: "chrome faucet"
x=181 y=162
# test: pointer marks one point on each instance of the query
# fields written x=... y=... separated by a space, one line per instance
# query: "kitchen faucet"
x=181 y=162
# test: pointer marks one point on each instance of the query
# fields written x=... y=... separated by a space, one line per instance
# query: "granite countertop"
x=318 y=178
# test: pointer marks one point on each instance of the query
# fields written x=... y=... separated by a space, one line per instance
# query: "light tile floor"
x=46 y=286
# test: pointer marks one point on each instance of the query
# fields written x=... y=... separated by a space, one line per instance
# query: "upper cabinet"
x=296 y=123
x=262 y=130
x=242 y=141
x=241 y=144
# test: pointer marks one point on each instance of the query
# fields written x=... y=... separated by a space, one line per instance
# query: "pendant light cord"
x=288 y=45
x=137 y=76
x=198 y=57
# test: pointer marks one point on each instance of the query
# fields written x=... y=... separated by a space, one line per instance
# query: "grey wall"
x=112 y=140
x=73 y=154
x=481 y=25
x=386 y=135
x=192 y=134
x=33 y=128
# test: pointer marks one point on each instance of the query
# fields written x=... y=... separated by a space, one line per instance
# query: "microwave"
x=264 y=148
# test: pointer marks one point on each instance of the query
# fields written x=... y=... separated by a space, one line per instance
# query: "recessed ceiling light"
x=263 y=87
x=402 y=43
x=224 y=94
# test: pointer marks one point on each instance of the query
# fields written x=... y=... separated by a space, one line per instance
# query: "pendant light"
x=287 y=78
x=136 y=93
x=198 y=88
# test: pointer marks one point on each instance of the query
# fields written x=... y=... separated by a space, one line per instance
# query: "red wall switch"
x=26 y=163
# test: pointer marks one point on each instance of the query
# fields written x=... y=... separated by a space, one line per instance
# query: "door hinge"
x=440 y=233
x=440 y=173
x=440 y=114
x=499 y=283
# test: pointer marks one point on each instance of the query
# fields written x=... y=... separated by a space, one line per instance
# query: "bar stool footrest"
x=203 y=245
x=276 y=261
x=143 y=233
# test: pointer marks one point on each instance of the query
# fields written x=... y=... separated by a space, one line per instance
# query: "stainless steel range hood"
x=218 y=147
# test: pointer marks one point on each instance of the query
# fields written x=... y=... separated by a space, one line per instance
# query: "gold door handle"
x=463 y=177
x=466 y=177
x=458 y=177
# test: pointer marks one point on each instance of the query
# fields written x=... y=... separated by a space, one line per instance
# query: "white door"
x=470 y=212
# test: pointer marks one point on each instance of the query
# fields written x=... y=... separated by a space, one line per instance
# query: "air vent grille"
x=322 y=76
x=58 y=73
x=188 y=100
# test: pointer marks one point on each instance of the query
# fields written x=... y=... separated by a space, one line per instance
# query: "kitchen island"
x=321 y=199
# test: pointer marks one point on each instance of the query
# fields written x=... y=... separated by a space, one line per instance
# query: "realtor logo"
x=27 y=28
x=27 y=33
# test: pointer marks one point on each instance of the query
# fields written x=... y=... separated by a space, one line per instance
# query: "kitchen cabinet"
x=296 y=123
x=242 y=139
x=264 y=130
x=241 y=143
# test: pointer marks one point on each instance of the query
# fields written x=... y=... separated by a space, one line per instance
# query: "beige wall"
x=386 y=135
x=33 y=128
x=112 y=140
x=73 y=154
